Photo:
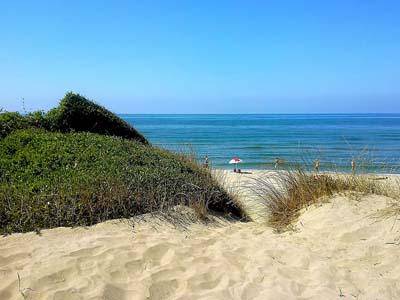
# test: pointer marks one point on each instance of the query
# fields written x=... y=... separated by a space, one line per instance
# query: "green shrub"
x=10 y=121
x=37 y=119
x=50 y=179
x=76 y=113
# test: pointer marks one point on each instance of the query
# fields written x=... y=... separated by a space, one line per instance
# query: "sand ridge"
x=338 y=250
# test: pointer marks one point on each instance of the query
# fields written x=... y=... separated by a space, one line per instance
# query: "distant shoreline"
x=269 y=171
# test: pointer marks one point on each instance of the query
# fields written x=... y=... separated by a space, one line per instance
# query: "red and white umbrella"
x=235 y=160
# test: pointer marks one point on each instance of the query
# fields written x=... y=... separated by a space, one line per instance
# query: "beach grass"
x=286 y=193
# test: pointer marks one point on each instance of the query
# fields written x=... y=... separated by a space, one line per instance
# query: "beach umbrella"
x=235 y=160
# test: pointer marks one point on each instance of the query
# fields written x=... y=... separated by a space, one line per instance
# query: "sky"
x=339 y=56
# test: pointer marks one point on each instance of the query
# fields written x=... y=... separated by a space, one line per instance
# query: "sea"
x=371 y=140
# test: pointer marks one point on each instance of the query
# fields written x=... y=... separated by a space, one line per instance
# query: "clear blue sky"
x=203 y=56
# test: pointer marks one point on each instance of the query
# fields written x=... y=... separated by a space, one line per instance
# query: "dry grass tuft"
x=285 y=193
x=200 y=209
x=393 y=208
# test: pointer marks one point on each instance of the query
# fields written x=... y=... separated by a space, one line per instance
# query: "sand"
x=337 y=250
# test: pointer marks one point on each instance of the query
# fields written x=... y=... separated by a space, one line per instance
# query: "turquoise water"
x=373 y=140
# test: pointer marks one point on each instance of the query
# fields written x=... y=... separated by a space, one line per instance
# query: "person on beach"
x=206 y=162
x=279 y=162
x=276 y=163
x=353 y=166
x=317 y=165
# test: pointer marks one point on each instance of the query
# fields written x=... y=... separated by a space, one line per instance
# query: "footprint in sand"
x=160 y=254
x=163 y=289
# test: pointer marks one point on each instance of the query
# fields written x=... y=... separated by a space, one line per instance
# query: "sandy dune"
x=338 y=250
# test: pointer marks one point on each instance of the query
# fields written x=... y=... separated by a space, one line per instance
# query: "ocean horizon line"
x=264 y=114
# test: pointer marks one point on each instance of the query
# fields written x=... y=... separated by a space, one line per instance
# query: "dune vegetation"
x=287 y=192
x=65 y=169
x=75 y=113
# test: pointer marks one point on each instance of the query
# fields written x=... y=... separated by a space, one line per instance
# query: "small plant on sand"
x=393 y=209
x=200 y=208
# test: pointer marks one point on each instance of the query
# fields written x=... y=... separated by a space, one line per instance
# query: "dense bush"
x=76 y=113
x=50 y=179
x=10 y=121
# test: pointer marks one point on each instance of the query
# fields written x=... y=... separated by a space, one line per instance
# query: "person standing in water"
x=317 y=165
